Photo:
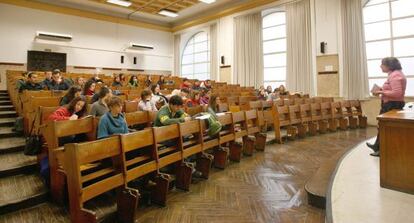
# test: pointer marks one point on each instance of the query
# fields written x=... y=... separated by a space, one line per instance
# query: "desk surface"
x=396 y=115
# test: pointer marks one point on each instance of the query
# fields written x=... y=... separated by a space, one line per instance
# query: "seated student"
x=194 y=99
x=273 y=96
x=148 y=81
x=100 y=107
x=171 y=113
x=269 y=89
x=117 y=82
x=186 y=84
x=80 y=81
x=58 y=82
x=205 y=96
x=72 y=111
x=96 y=79
x=89 y=88
x=48 y=80
x=263 y=94
x=30 y=83
x=161 y=82
x=146 y=104
x=183 y=93
x=73 y=92
x=206 y=84
x=282 y=90
x=133 y=81
x=213 y=105
x=112 y=122
x=157 y=98
x=197 y=85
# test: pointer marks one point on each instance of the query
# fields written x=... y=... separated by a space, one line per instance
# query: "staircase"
x=20 y=184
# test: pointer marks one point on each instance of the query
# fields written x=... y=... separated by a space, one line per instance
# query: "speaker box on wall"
x=222 y=60
x=122 y=59
x=135 y=60
x=323 y=47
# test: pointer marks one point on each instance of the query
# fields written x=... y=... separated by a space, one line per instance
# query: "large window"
x=274 y=49
x=389 y=32
x=195 y=62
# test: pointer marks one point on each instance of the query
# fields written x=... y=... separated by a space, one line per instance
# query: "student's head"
x=104 y=93
x=195 y=95
x=56 y=75
x=197 y=83
x=117 y=79
x=155 y=88
x=80 y=81
x=73 y=92
x=184 y=92
x=48 y=75
x=282 y=88
x=207 y=82
x=133 y=79
x=175 y=103
x=121 y=76
x=269 y=88
x=214 y=101
x=162 y=78
x=31 y=77
x=146 y=95
x=115 y=105
x=89 y=86
x=77 y=106
x=390 y=64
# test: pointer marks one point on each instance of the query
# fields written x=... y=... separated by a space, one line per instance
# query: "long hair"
x=392 y=63
x=212 y=102
x=70 y=95
x=72 y=104
x=131 y=80
x=88 y=85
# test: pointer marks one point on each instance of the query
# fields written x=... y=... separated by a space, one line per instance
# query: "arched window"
x=389 y=32
x=195 y=62
x=274 y=49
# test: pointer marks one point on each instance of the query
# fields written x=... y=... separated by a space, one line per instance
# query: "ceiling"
x=147 y=10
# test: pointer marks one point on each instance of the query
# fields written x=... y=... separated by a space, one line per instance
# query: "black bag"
x=33 y=142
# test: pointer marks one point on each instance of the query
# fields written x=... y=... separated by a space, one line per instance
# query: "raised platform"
x=355 y=194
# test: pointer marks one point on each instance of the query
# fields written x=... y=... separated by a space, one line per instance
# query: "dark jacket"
x=30 y=87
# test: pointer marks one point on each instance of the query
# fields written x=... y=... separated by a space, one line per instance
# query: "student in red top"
x=72 y=111
x=194 y=99
x=89 y=88
x=392 y=92
x=186 y=84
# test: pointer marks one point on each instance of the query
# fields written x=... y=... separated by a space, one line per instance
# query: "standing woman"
x=392 y=92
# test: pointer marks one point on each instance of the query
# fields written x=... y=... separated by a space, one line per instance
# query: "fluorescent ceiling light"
x=120 y=2
x=208 y=1
x=168 y=13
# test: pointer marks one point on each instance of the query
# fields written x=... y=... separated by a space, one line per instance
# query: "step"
x=21 y=191
x=8 y=114
x=6 y=108
x=5 y=102
x=44 y=212
x=16 y=163
x=4 y=98
x=6 y=132
x=7 y=121
x=12 y=144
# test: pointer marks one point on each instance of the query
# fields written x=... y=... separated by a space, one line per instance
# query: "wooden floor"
x=267 y=187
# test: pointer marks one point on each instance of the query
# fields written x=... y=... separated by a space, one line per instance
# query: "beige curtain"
x=300 y=76
x=355 y=74
x=213 y=52
x=248 y=50
x=177 y=55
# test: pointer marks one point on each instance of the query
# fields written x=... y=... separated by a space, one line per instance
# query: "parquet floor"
x=267 y=187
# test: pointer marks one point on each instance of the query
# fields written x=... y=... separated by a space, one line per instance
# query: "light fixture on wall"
x=120 y=2
x=208 y=1
x=169 y=13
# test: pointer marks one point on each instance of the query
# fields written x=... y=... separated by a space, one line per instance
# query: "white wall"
x=327 y=25
x=95 y=43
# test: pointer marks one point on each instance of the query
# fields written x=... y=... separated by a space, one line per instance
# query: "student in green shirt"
x=171 y=113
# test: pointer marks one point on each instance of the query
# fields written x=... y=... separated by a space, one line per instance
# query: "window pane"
x=200 y=68
x=376 y=50
x=374 y=69
x=272 y=74
x=380 y=30
x=404 y=47
x=373 y=2
x=274 y=46
x=274 y=19
x=188 y=59
x=378 y=82
x=403 y=27
x=376 y=13
x=409 y=91
x=188 y=49
x=200 y=57
x=402 y=8
x=274 y=32
x=200 y=47
x=200 y=37
x=187 y=69
x=275 y=60
x=407 y=65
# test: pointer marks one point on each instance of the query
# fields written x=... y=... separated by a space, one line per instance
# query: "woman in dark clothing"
x=74 y=91
x=133 y=81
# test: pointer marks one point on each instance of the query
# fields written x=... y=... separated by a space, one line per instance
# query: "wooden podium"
x=396 y=131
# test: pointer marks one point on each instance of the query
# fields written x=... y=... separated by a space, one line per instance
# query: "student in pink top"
x=392 y=92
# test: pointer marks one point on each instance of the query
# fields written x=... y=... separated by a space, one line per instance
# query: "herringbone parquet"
x=267 y=187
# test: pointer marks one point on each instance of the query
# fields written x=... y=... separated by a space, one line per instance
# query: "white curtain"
x=213 y=52
x=248 y=50
x=177 y=57
x=355 y=74
x=300 y=76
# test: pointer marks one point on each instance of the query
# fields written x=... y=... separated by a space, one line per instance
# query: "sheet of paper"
x=206 y=116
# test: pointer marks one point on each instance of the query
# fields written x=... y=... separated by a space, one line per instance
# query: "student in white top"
x=146 y=104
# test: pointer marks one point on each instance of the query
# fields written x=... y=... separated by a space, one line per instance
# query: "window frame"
x=193 y=53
